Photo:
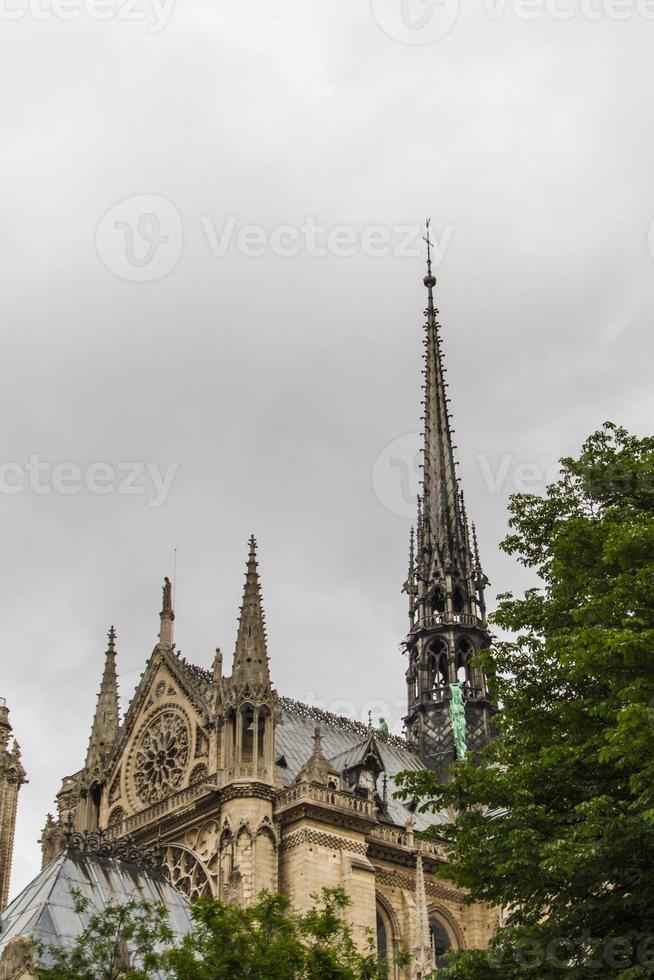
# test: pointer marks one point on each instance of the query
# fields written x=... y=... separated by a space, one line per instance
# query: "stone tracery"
x=160 y=757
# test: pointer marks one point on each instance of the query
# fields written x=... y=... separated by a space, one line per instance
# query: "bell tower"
x=445 y=584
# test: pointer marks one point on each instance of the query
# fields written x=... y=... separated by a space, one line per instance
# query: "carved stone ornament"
x=160 y=758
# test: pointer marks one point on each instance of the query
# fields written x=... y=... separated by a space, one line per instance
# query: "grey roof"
x=45 y=910
x=343 y=741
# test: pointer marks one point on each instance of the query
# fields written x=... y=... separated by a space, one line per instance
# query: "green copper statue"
x=383 y=726
x=458 y=719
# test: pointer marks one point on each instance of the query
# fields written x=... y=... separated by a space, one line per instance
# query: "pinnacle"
x=250 y=654
x=106 y=720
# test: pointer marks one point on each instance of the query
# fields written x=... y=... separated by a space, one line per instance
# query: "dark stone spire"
x=106 y=721
x=251 y=666
x=444 y=548
x=446 y=603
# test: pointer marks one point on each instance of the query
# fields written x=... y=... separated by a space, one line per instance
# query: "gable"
x=163 y=744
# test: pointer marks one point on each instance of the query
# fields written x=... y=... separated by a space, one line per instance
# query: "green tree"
x=268 y=942
x=119 y=942
x=557 y=826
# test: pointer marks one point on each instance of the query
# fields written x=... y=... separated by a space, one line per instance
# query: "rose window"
x=161 y=758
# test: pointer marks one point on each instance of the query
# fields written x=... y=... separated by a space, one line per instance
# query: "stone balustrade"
x=158 y=810
x=323 y=794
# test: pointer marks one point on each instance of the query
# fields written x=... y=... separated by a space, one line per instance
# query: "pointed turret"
x=251 y=667
x=317 y=768
x=446 y=605
x=167 y=616
x=423 y=959
x=249 y=703
x=106 y=721
x=12 y=777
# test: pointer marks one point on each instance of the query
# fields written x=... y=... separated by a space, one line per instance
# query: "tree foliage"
x=122 y=941
x=557 y=827
x=265 y=941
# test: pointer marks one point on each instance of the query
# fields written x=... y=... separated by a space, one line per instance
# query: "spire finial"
x=167 y=615
x=430 y=279
x=112 y=640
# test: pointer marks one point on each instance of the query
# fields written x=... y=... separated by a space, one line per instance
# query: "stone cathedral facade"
x=244 y=789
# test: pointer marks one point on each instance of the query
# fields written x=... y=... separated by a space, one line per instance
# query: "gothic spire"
x=107 y=719
x=444 y=544
x=250 y=655
x=167 y=615
x=422 y=963
x=446 y=607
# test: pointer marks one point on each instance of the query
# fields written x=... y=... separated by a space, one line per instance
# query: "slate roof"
x=343 y=739
x=45 y=910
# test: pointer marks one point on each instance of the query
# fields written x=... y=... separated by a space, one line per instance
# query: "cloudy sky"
x=213 y=305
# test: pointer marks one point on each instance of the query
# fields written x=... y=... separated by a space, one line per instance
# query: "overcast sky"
x=269 y=375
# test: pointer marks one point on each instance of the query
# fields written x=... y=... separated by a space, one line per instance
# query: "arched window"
x=457 y=601
x=247 y=733
x=382 y=936
x=463 y=653
x=438 y=664
x=262 y=720
x=441 y=937
x=385 y=941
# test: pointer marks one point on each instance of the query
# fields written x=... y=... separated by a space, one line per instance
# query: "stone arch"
x=265 y=826
x=226 y=831
x=199 y=773
x=387 y=921
x=449 y=930
x=116 y=816
x=438 y=664
x=248 y=734
x=459 y=600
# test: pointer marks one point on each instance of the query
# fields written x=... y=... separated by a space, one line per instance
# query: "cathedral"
x=242 y=789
